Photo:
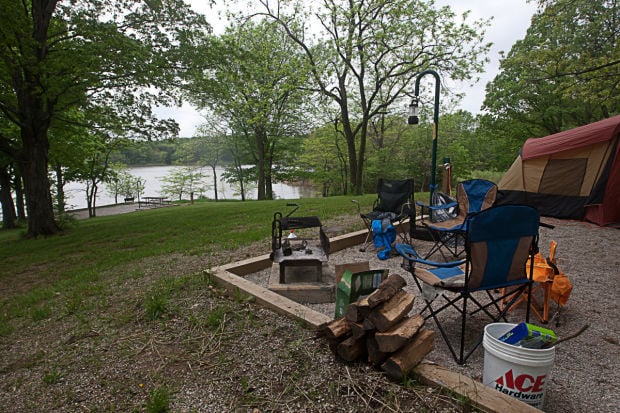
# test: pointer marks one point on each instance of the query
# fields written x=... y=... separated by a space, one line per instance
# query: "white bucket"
x=516 y=371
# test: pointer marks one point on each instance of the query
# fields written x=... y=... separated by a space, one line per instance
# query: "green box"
x=352 y=286
x=526 y=331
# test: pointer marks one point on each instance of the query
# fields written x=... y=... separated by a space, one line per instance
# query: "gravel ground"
x=586 y=369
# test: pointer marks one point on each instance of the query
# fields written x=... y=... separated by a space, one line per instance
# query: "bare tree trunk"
x=19 y=196
x=60 y=189
x=260 y=136
x=34 y=111
x=214 y=181
x=36 y=184
x=8 y=207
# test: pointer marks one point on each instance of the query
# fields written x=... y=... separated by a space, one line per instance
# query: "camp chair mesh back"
x=498 y=243
x=473 y=195
x=394 y=201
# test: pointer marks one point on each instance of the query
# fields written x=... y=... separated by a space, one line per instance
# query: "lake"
x=152 y=176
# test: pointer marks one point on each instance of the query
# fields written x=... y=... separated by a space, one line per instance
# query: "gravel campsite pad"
x=586 y=369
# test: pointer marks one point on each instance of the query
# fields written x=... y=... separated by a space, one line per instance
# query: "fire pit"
x=300 y=250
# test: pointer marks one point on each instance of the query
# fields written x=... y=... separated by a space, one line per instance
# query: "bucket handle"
x=558 y=341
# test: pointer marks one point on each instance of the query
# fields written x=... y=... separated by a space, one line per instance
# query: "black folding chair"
x=498 y=242
x=394 y=202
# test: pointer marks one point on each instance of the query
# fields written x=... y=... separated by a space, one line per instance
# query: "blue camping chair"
x=472 y=196
x=498 y=242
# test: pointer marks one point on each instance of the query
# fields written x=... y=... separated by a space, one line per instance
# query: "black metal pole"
x=433 y=185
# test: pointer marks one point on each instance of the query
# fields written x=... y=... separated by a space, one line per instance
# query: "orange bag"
x=561 y=288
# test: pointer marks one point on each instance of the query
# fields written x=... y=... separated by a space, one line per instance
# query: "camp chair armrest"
x=407 y=252
x=407 y=206
x=443 y=264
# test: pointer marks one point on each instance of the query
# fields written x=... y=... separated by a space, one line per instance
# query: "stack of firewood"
x=379 y=328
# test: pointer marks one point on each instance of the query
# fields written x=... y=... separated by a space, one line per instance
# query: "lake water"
x=75 y=192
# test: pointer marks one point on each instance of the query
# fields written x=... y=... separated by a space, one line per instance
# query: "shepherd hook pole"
x=433 y=185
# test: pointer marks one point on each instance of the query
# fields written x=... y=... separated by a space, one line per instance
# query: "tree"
x=368 y=53
x=97 y=169
x=122 y=183
x=110 y=60
x=323 y=154
x=180 y=181
x=206 y=149
x=255 y=87
x=556 y=79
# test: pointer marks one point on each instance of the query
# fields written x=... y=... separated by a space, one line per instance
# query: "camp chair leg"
x=459 y=357
x=442 y=242
x=546 y=287
x=443 y=333
x=463 y=322
x=366 y=241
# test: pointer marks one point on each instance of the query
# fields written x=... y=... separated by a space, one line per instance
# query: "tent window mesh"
x=563 y=176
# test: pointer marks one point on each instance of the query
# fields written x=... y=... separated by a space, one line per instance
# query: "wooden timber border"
x=231 y=277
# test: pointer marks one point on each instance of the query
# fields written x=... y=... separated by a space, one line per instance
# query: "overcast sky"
x=511 y=18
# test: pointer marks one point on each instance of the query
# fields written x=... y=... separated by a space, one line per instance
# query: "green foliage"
x=51 y=377
x=6 y=328
x=368 y=53
x=254 y=88
x=156 y=304
x=159 y=401
x=76 y=68
x=324 y=154
x=492 y=176
x=123 y=184
x=556 y=79
x=242 y=298
x=184 y=181
x=41 y=312
x=215 y=317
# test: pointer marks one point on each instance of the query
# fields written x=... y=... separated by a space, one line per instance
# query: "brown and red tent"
x=572 y=174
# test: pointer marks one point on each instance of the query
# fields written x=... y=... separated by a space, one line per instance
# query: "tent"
x=572 y=174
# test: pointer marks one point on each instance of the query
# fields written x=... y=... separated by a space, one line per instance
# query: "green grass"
x=159 y=401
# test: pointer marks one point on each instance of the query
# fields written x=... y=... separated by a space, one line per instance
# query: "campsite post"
x=413 y=120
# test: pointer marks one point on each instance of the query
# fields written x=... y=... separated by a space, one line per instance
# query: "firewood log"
x=337 y=329
x=357 y=311
x=358 y=330
x=375 y=355
x=403 y=361
x=391 y=312
x=352 y=348
x=386 y=290
x=397 y=336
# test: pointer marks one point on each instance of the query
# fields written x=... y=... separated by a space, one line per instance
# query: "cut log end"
x=406 y=359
